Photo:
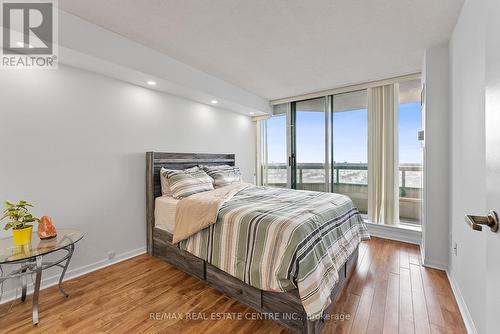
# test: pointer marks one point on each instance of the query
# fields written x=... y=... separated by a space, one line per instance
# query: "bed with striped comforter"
x=281 y=239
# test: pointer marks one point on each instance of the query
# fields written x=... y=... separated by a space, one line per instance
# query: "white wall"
x=467 y=165
x=85 y=45
x=435 y=75
x=74 y=143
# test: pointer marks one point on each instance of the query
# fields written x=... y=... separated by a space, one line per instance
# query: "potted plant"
x=20 y=220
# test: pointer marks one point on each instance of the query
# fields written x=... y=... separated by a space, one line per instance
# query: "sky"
x=350 y=136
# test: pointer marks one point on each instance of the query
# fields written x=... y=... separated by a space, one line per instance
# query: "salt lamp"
x=46 y=229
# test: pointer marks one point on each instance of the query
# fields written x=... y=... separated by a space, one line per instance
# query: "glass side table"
x=30 y=258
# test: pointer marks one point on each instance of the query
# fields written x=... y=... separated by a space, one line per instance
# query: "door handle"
x=476 y=222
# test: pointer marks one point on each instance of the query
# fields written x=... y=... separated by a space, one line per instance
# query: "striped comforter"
x=282 y=239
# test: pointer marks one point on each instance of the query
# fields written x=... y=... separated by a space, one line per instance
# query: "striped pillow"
x=223 y=175
x=184 y=183
x=165 y=188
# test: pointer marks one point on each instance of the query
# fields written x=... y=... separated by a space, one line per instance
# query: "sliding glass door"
x=309 y=158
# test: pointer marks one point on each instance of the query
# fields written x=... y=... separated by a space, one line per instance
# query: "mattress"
x=165 y=207
x=281 y=239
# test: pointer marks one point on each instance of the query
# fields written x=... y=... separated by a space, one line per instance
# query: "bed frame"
x=285 y=307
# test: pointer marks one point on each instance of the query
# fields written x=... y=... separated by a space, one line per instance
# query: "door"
x=492 y=133
x=309 y=157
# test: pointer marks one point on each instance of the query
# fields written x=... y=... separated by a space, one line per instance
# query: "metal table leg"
x=35 y=264
x=24 y=281
x=70 y=249
x=36 y=291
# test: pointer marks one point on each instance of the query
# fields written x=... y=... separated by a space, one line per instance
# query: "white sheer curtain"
x=383 y=172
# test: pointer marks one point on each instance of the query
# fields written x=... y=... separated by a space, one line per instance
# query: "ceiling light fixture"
x=151 y=83
x=214 y=101
x=252 y=113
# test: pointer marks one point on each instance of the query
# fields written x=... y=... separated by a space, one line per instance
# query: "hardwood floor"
x=390 y=292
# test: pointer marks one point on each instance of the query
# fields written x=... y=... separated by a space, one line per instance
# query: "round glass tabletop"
x=10 y=252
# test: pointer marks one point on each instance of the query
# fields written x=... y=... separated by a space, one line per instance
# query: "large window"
x=350 y=147
x=275 y=172
x=410 y=152
x=321 y=144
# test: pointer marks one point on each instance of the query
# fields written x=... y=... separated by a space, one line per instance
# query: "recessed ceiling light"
x=214 y=101
x=151 y=83
x=252 y=113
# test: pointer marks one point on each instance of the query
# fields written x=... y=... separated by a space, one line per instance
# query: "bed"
x=316 y=256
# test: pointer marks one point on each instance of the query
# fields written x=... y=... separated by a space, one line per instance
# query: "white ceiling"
x=282 y=48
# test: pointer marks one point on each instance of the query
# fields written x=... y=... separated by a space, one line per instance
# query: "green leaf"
x=19 y=214
x=7 y=226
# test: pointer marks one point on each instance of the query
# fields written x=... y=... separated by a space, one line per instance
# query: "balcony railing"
x=351 y=179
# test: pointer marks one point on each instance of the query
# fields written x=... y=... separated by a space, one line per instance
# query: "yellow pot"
x=22 y=236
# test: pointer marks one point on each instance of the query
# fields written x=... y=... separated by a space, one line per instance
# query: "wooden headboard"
x=155 y=161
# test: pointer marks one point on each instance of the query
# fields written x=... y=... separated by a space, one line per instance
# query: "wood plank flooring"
x=389 y=292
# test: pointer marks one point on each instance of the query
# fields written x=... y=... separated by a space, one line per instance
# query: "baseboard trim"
x=435 y=264
x=75 y=272
x=397 y=233
x=464 y=310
